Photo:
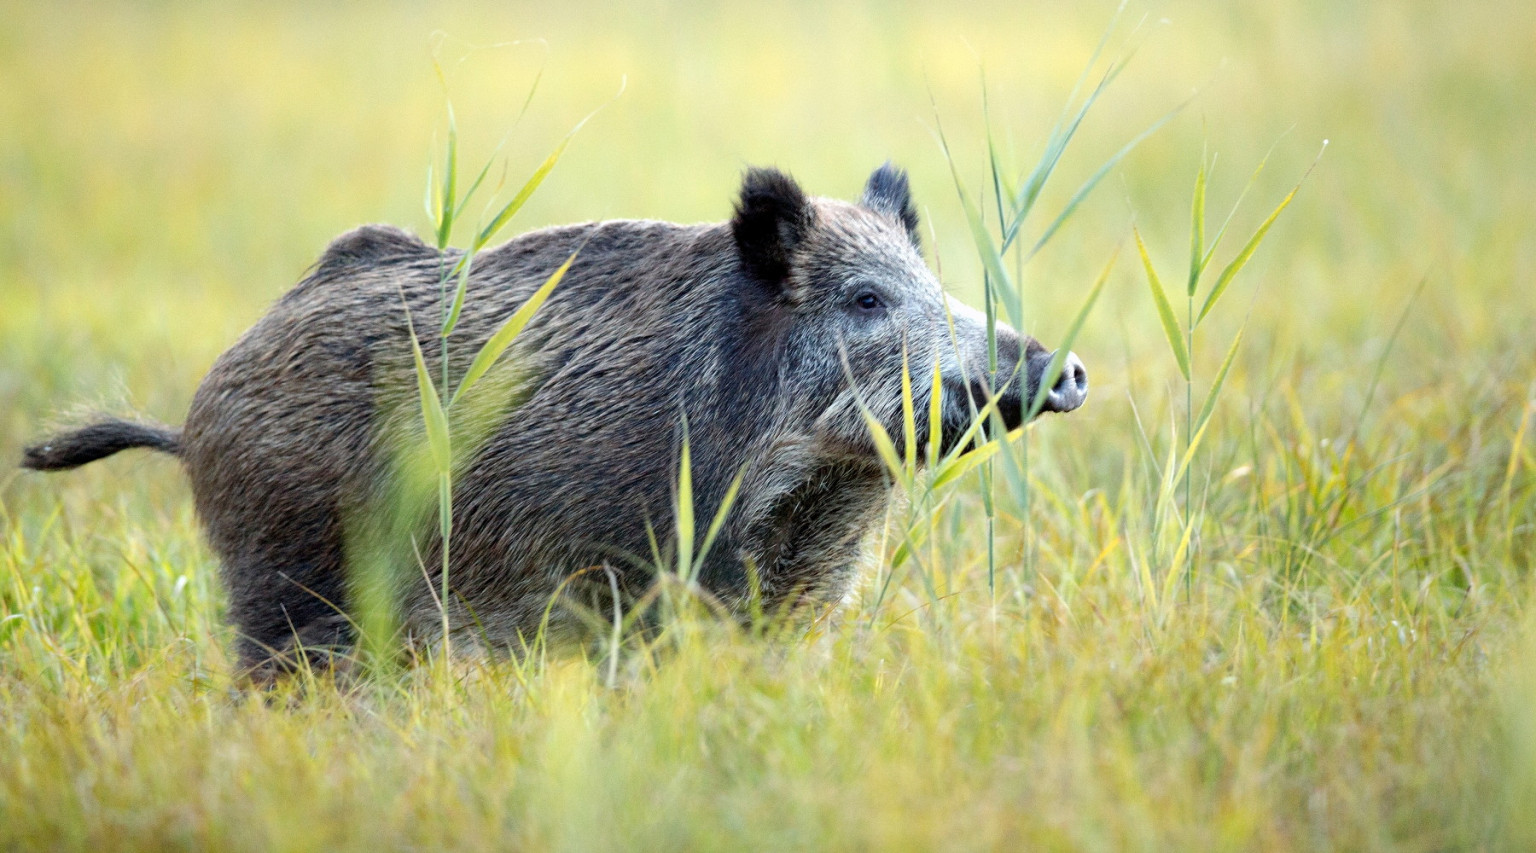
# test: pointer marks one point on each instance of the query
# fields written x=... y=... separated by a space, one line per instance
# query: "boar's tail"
x=87 y=444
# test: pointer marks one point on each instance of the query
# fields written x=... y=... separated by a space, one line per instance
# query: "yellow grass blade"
x=884 y=446
x=935 y=411
x=908 y=416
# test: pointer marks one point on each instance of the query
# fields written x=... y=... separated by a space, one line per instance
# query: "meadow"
x=1321 y=640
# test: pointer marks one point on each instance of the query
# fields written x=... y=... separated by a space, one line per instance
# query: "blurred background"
x=167 y=170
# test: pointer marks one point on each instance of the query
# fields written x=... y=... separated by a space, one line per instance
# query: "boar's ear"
x=887 y=192
x=772 y=219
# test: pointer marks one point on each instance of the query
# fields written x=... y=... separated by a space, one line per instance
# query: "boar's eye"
x=868 y=301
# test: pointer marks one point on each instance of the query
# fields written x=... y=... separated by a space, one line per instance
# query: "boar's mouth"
x=963 y=405
x=964 y=402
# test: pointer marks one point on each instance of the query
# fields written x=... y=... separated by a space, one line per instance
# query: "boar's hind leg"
x=287 y=596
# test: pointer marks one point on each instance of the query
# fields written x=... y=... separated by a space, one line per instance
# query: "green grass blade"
x=717 y=523
x=1164 y=310
x=1197 y=230
x=1093 y=59
x=479 y=179
x=992 y=260
x=1242 y=258
x=432 y=413
x=1225 y=279
x=1024 y=202
x=994 y=168
x=1221 y=377
x=511 y=208
x=1189 y=455
x=1177 y=566
x=491 y=160
x=1221 y=232
x=460 y=271
x=970 y=434
x=498 y=343
x=1013 y=473
x=448 y=205
x=884 y=447
x=911 y=542
x=1093 y=181
x=1386 y=352
x=1053 y=370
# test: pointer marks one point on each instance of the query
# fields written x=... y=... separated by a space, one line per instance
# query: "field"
x=1322 y=642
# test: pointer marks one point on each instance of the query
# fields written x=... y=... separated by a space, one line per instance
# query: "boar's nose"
x=1071 y=386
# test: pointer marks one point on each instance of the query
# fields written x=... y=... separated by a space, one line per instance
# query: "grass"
x=1349 y=667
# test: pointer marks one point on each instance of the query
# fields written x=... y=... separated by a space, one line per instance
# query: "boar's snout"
x=1022 y=366
x=1070 y=387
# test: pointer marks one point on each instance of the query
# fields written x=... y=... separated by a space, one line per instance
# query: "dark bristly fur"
x=766 y=334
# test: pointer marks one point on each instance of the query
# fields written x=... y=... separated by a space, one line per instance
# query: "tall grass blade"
x=1381 y=363
x=1013 y=472
x=460 y=272
x=1225 y=279
x=994 y=166
x=1210 y=251
x=971 y=431
x=967 y=462
x=1515 y=446
x=1093 y=59
x=498 y=343
x=685 y=520
x=912 y=541
x=1221 y=377
x=717 y=523
x=1093 y=181
x=1171 y=328
x=1242 y=258
x=511 y=208
x=479 y=179
x=991 y=258
x=908 y=416
x=432 y=413
x=1189 y=454
x=884 y=446
x=1035 y=183
x=935 y=411
x=1197 y=230
x=1178 y=565
x=1053 y=370
x=491 y=160
x=448 y=207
